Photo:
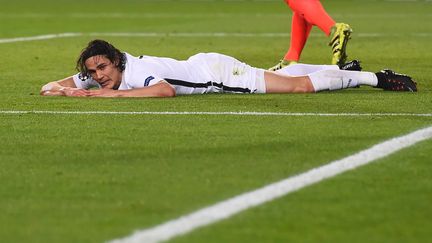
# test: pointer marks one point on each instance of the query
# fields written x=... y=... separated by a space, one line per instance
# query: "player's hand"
x=103 y=93
x=76 y=92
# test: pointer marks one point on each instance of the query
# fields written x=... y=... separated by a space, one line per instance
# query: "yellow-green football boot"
x=341 y=33
x=281 y=64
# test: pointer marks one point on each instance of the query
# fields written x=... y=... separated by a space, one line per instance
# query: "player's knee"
x=303 y=89
x=169 y=92
x=304 y=85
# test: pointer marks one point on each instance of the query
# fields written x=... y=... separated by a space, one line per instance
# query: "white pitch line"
x=140 y=15
x=234 y=113
x=234 y=34
x=194 y=35
x=39 y=37
x=235 y=205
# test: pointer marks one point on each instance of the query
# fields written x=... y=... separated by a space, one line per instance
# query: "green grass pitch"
x=94 y=177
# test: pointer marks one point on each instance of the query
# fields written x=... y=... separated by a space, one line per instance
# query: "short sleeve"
x=141 y=72
x=144 y=80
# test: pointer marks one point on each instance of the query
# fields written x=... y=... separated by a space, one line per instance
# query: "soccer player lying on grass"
x=118 y=74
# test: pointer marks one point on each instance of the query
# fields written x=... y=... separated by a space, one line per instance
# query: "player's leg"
x=299 y=69
x=317 y=81
x=279 y=83
x=337 y=79
x=300 y=30
x=314 y=13
x=341 y=79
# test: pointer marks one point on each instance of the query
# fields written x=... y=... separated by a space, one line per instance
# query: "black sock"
x=381 y=79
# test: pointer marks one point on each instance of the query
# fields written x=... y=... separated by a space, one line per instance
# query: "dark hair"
x=100 y=47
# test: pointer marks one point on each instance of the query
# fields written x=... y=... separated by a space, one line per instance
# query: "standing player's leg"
x=314 y=13
x=300 y=30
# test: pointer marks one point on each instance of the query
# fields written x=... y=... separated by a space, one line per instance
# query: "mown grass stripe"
x=235 y=205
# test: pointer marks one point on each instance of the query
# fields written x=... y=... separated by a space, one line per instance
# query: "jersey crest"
x=82 y=77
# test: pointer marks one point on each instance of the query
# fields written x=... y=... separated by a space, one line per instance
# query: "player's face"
x=103 y=71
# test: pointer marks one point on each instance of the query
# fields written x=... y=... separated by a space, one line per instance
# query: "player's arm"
x=160 y=89
x=63 y=87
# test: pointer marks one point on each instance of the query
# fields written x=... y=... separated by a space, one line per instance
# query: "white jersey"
x=201 y=73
